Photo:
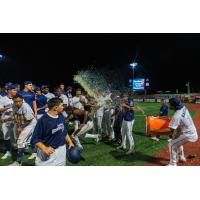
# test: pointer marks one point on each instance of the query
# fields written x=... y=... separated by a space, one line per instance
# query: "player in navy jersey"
x=50 y=136
x=128 y=119
x=29 y=96
x=62 y=87
x=163 y=113
x=41 y=101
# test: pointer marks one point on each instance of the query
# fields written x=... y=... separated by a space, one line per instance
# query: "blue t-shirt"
x=29 y=97
x=3 y=93
x=129 y=115
x=41 y=101
x=50 y=131
x=164 y=110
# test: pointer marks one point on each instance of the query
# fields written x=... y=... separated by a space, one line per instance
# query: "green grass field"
x=106 y=154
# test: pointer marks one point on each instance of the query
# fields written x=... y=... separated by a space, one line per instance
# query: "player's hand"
x=70 y=145
x=48 y=150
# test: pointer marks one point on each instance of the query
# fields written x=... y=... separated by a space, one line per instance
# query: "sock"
x=91 y=135
x=7 y=144
x=20 y=155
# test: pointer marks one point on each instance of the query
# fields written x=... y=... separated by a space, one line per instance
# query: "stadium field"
x=105 y=153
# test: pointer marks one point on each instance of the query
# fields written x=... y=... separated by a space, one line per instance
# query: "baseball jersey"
x=50 y=130
x=182 y=121
x=41 y=101
x=100 y=102
x=24 y=113
x=76 y=102
x=6 y=102
x=128 y=115
x=164 y=110
x=65 y=99
x=69 y=96
x=29 y=97
x=49 y=96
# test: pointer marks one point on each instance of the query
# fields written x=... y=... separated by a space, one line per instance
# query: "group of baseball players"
x=36 y=118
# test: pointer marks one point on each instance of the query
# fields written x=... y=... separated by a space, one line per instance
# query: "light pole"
x=133 y=66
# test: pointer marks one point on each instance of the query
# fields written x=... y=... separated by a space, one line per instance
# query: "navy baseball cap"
x=176 y=103
x=11 y=86
x=27 y=82
x=7 y=84
x=37 y=88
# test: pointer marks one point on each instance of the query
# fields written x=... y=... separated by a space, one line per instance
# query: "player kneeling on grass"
x=50 y=136
x=184 y=131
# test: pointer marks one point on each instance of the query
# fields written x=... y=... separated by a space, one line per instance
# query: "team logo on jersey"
x=59 y=127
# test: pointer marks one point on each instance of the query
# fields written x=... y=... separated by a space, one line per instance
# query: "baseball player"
x=99 y=115
x=77 y=103
x=25 y=123
x=6 y=111
x=127 y=124
x=69 y=95
x=45 y=91
x=50 y=136
x=29 y=96
x=62 y=87
x=184 y=131
x=58 y=93
x=41 y=101
x=163 y=113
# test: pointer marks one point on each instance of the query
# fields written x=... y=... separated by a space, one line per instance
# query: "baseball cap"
x=27 y=82
x=37 y=88
x=176 y=103
x=11 y=86
x=7 y=84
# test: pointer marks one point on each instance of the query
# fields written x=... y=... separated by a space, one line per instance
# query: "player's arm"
x=35 y=107
x=130 y=107
x=43 y=107
x=164 y=130
x=4 y=108
x=69 y=142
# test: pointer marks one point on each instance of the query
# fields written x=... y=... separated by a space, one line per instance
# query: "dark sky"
x=168 y=60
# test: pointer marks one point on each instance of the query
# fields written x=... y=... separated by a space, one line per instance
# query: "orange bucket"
x=157 y=123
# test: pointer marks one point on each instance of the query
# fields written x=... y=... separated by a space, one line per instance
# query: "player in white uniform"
x=45 y=91
x=58 y=93
x=184 y=131
x=78 y=102
x=99 y=114
x=6 y=111
x=69 y=95
x=25 y=124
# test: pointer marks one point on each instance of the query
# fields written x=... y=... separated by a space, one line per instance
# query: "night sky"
x=168 y=60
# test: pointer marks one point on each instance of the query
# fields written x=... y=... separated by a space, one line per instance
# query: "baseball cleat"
x=155 y=139
x=121 y=147
x=131 y=151
x=33 y=156
x=6 y=155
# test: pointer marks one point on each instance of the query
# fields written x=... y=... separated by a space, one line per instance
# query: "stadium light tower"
x=133 y=66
